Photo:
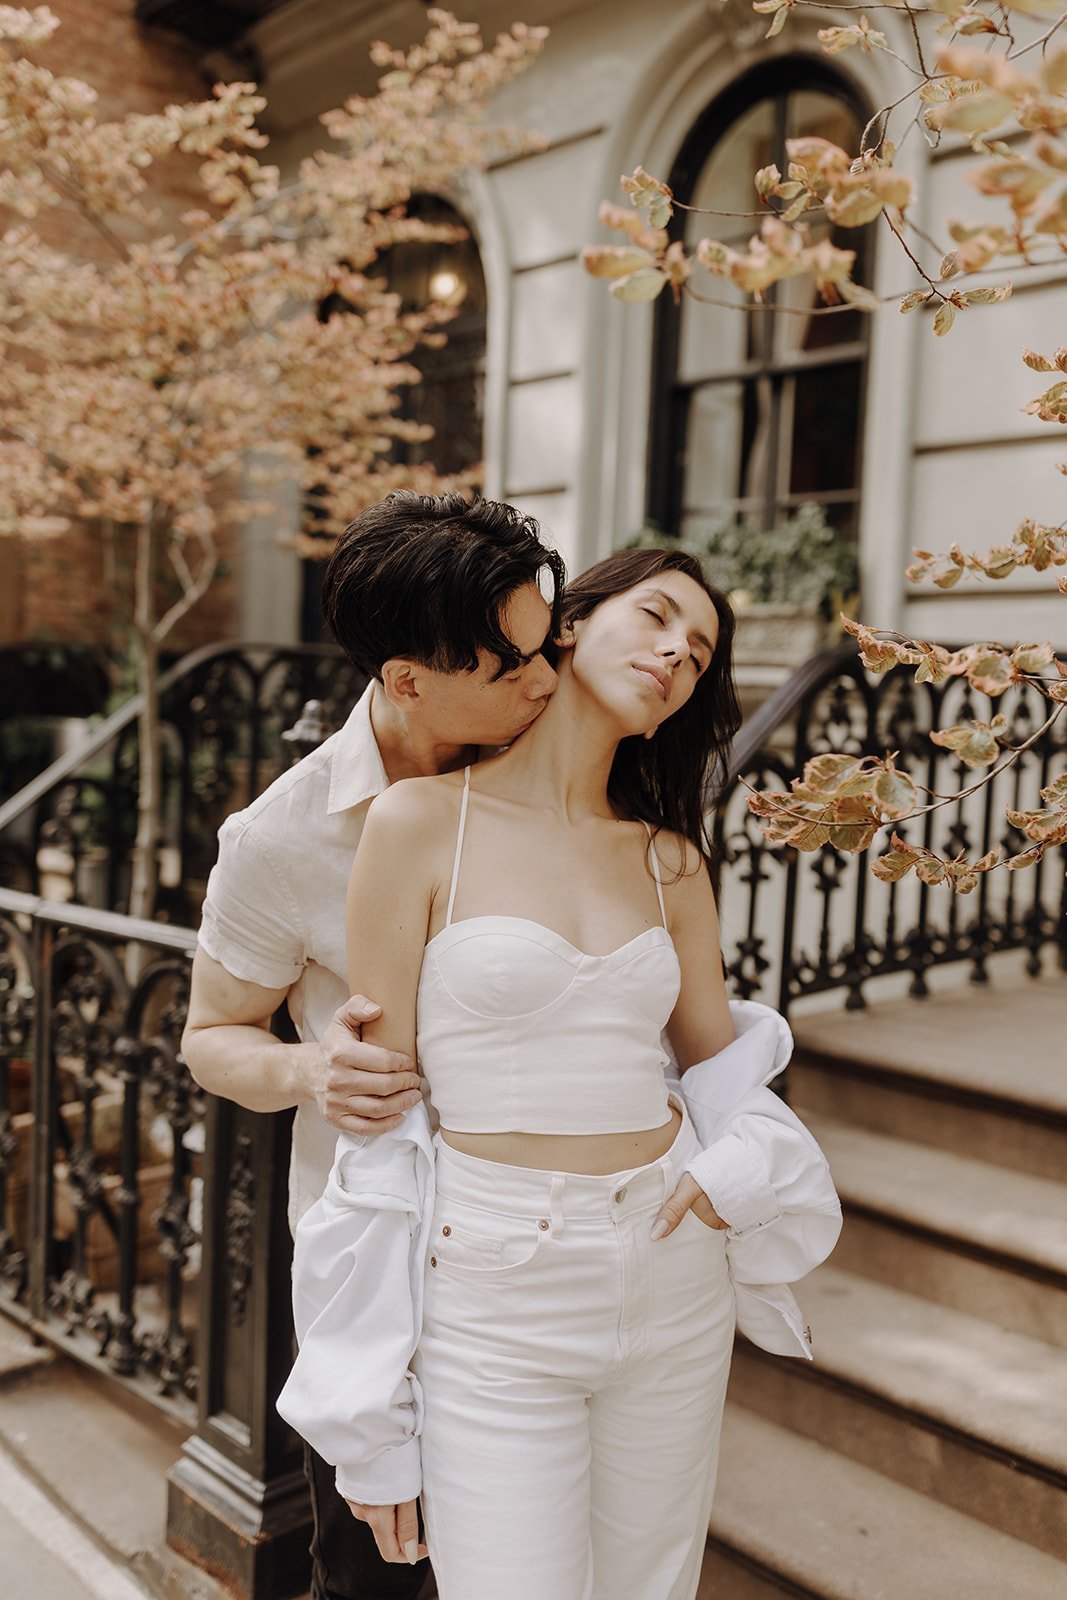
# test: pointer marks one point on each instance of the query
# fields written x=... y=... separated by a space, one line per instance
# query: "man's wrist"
x=303 y=1065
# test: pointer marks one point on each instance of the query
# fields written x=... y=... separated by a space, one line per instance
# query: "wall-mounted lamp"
x=447 y=287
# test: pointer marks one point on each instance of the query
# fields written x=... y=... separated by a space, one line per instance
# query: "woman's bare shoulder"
x=679 y=858
x=424 y=803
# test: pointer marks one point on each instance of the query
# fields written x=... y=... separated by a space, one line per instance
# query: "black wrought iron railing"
x=101 y=1141
x=801 y=924
x=225 y=708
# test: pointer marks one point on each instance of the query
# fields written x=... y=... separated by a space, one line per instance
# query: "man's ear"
x=400 y=680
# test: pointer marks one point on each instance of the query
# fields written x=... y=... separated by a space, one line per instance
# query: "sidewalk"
x=46 y=1556
x=83 y=1486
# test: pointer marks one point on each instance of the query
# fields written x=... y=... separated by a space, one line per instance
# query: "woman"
x=534 y=926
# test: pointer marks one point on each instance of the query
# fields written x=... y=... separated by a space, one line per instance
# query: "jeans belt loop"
x=559 y=1182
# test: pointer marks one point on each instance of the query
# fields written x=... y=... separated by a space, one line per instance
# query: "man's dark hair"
x=429 y=577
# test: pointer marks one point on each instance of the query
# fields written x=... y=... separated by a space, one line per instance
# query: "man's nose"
x=541 y=682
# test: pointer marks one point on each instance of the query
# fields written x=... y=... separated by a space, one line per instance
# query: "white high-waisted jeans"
x=573 y=1375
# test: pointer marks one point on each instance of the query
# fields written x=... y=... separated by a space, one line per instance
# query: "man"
x=439 y=602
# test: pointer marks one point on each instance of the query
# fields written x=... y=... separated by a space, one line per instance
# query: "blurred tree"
x=158 y=374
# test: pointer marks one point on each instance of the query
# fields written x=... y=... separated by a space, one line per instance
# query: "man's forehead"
x=526 y=619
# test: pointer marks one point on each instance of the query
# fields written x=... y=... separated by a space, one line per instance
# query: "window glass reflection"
x=761 y=409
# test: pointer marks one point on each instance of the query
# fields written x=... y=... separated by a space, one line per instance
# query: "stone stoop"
x=100 y=1455
x=922 y=1455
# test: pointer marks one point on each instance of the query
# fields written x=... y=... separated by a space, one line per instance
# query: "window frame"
x=671 y=395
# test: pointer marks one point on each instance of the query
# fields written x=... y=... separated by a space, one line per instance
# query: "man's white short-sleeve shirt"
x=274 y=913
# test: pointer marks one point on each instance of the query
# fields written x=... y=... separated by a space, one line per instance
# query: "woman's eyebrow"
x=671 y=602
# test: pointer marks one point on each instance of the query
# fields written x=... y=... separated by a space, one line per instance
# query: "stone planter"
x=778 y=636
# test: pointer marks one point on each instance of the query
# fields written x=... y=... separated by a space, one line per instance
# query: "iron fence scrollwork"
x=796 y=924
x=99 y=1177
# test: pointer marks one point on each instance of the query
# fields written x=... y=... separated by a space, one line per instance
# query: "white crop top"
x=519 y=1031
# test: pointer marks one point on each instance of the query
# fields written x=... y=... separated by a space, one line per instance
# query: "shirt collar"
x=357 y=773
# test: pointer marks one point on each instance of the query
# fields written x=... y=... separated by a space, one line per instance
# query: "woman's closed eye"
x=695 y=661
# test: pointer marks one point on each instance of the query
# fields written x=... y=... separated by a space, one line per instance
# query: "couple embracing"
x=538 y=1178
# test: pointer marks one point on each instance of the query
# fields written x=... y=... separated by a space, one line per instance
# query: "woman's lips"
x=660 y=684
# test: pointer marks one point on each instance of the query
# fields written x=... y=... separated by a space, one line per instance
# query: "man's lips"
x=658 y=677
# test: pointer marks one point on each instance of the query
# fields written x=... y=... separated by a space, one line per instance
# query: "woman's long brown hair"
x=661 y=781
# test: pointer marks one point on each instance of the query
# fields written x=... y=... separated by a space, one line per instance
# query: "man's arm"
x=230 y=1051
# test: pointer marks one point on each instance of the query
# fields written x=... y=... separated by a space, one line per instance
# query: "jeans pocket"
x=468 y=1239
x=704 y=1227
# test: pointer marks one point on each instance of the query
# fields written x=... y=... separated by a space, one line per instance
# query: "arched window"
x=450 y=396
x=756 y=413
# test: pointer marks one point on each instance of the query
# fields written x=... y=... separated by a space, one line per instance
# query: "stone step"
x=968 y=1037
x=952 y=1406
x=101 y=1455
x=956 y=1072
x=968 y=1235
x=794 y=1518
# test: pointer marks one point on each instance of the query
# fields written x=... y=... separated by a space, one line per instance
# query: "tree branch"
x=192 y=592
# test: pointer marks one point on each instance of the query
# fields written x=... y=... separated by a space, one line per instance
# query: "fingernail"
x=660 y=1227
x=411 y=1551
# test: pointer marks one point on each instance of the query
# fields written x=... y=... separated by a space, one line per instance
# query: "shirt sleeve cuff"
x=395 y=1477
x=240 y=963
x=736 y=1181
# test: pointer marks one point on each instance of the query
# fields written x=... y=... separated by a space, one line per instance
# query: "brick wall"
x=61 y=588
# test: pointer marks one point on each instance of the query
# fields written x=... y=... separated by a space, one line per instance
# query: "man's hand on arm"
x=230 y=1050
x=363 y=1088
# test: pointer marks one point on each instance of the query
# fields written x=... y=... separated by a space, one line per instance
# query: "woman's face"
x=641 y=653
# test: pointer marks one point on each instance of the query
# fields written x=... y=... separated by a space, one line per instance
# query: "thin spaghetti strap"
x=655 y=873
x=459 y=846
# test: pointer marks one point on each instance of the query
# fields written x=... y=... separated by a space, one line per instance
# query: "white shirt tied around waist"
x=760 y=1167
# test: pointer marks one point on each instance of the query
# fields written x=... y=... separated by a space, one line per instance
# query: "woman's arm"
x=387 y=909
x=761 y=1173
x=700 y=1024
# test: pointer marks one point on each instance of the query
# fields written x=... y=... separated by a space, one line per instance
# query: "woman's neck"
x=563 y=762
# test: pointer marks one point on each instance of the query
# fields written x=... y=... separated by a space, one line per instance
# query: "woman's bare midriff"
x=591 y=1153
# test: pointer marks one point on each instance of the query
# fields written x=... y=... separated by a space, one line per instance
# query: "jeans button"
x=620 y=1195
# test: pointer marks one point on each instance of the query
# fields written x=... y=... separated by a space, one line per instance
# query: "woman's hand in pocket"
x=395 y=1529
x=688 y=1196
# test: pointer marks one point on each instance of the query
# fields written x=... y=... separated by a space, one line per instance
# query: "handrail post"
x=237 y=1499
